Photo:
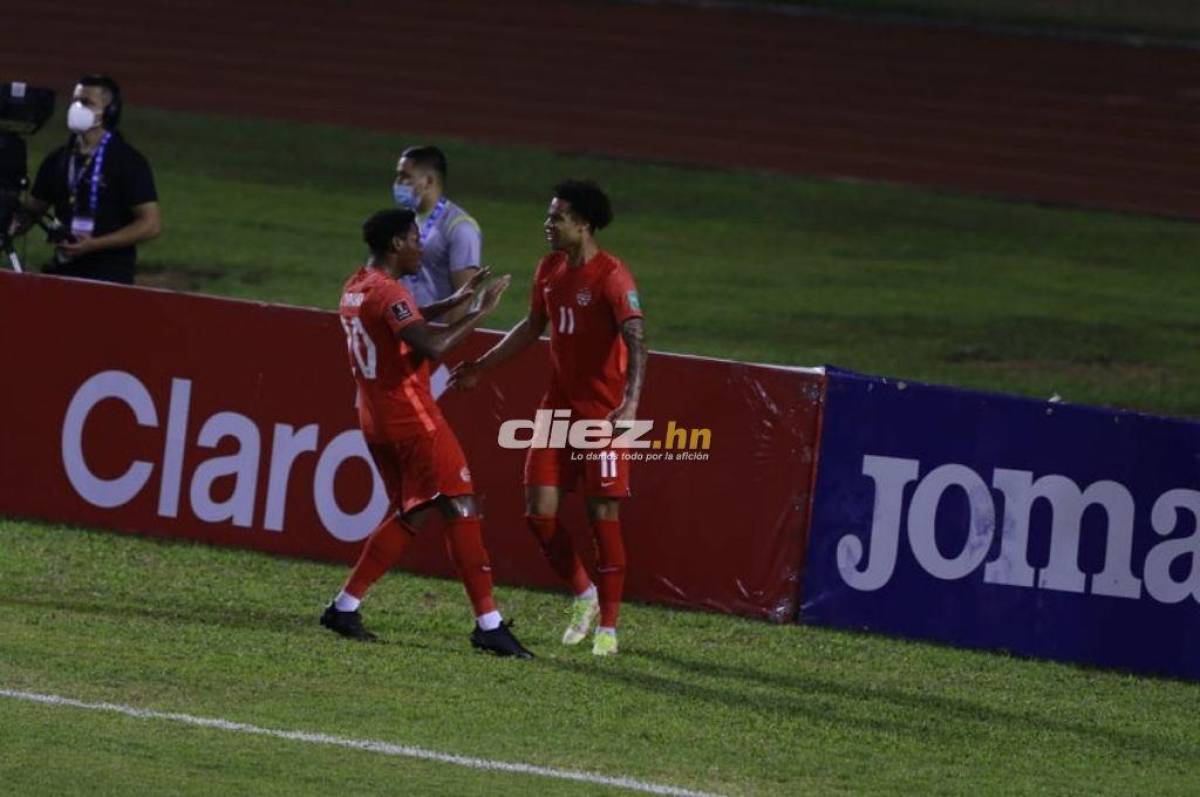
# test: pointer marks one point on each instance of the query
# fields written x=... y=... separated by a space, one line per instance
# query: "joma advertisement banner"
x=988 y=521
x=233 y=423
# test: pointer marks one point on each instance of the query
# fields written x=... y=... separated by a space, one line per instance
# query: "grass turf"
x=1098 y=308
x=696 y=700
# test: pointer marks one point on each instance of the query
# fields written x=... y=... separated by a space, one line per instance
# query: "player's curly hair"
x=587 y=202
x=381 y=228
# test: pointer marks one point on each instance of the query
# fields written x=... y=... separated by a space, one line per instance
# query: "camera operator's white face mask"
x=80 y=118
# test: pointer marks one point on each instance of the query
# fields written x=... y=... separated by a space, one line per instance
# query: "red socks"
x=610 y=558
x=464 y=543
x=384 y=548
x=610 y=581
x=560 y=551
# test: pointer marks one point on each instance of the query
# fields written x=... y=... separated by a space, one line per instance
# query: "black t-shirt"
x=125 y=181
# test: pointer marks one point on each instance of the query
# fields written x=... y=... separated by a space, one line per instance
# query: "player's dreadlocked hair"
x=587 y=202
x=380 y=229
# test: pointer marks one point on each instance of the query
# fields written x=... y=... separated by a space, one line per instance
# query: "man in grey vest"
x=450 y=237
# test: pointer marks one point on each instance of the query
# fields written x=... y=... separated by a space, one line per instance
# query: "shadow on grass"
x=826 y=701
x=926 y=714
x=393 y=628
x=248 y=619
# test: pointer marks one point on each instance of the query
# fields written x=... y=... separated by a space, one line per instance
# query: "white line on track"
x=368 y=745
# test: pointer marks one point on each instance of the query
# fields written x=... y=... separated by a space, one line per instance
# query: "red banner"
x=232 y=423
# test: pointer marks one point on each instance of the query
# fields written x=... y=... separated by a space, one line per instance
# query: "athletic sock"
x=490 y=621
x=560 y=551
x=464 y=543
x=588 y=594
x=610 y=569
x=384 y=548
x=345 y=602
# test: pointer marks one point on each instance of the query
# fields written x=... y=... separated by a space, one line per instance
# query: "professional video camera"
x=23 y=111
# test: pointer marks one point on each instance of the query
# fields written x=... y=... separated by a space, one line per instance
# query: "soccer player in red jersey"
x=416 y=453
x=597 y=366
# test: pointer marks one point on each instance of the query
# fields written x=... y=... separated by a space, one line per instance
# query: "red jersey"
x=586 y=306
x=395 y=402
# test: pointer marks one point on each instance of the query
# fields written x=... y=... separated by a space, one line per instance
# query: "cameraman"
x=101 y=189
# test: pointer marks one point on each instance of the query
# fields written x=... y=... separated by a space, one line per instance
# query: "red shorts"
x=604 y=471
x=419 y=470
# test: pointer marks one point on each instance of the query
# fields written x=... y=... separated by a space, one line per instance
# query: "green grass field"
x=1099 y=308
x=695 y=700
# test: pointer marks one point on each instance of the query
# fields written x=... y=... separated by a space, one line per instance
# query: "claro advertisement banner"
x=988 y=521
x=232 y=423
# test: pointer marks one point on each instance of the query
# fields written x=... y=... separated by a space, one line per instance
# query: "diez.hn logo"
x=555 y=429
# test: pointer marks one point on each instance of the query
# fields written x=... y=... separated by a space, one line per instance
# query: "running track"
x=1101 y=125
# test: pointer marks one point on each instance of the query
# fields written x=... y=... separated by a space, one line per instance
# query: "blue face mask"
x=405 y=197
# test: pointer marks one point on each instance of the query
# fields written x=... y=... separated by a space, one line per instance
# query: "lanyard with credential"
x=427 y=227
x=94 y=189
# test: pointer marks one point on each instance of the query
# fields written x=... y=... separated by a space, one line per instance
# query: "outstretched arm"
x=519 y=338
x=633 y=332
x=466 y=282
x=433 y=343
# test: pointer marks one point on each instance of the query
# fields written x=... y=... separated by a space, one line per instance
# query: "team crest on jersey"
x=583 y=298
x=465 y=474
x=401 y=310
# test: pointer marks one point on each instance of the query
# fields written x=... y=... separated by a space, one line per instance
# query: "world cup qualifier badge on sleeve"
x=401 y=310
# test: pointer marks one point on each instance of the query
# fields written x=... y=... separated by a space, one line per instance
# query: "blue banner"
x=988 y=521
